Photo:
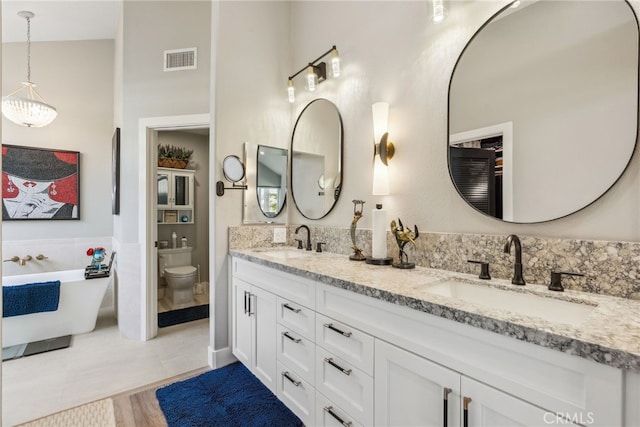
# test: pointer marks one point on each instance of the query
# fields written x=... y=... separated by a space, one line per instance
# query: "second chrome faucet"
x=512 y=239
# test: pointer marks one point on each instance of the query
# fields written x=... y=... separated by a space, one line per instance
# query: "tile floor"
x=98 y=364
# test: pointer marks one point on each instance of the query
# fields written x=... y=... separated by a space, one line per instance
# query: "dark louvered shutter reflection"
x=473 y=171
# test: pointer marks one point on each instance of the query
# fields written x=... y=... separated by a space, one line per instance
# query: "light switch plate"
x=279 y=235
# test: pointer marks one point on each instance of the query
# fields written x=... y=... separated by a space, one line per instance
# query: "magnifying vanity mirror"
x=316 y=159
x=232 y=168
x=233 y=171
x=543 y=108
x=265 y=197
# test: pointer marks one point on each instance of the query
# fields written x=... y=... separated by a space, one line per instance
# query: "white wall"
x=77 y=79
x=150 y=28
x=396 y=54
x=251 y=106
x=571 y=100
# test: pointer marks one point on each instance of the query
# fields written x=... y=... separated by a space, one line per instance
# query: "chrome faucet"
x=517 y=266
x=308 y=245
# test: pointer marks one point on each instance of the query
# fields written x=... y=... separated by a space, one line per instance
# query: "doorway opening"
x=150 y=131
x=182 y=224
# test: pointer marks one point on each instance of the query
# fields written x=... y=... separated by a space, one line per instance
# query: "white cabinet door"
x=410 y=390
x=175 y=188
x=242 y=340
x=175 y=196
x=262 y=309
x=254 y=334
x=490 y=407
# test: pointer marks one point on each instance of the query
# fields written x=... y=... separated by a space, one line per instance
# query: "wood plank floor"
x=139 y=407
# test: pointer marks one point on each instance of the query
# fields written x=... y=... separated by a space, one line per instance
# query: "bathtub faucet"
x=23 y=261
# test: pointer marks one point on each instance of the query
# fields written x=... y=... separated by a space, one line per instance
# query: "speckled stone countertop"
x=608 y=334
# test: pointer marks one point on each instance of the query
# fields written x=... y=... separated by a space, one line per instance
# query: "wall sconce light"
x=439 y=11
x=383 y=148
x=316 y=73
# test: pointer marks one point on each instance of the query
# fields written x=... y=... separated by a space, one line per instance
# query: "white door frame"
x=147 y=213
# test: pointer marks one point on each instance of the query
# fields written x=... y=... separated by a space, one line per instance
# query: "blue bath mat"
x=230 y=397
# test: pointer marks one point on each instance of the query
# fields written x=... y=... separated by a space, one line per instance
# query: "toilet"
x=175 y=266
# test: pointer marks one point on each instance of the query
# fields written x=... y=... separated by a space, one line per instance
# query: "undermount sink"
x=525 y=303
x=286 y=253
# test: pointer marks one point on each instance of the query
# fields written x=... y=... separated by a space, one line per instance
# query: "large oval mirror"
x=543 y=108
x=316 y=159
x=271 y=180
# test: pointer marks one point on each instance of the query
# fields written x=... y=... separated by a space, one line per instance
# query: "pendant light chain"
x=28 y=49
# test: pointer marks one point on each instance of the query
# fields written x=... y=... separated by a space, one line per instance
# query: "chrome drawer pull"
x=329 y=410
x=333 y=328
x=288 y=307
x=295 y=340
x=294 y=382
x=335 y=365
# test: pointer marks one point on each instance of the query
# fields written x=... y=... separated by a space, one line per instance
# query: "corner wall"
x=252 y=57
x=149 y=28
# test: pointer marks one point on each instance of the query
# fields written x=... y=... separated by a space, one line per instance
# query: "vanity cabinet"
x=175 y=196
x=337 y=357
x=254 y=326
x=413 y=391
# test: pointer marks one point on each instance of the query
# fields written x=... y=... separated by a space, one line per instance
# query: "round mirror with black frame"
x=316 y=159
x=543 y=108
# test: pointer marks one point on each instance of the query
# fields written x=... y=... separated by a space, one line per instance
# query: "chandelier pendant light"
x=25 y=106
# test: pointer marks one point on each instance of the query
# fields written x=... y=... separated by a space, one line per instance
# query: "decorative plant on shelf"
x=171 y=156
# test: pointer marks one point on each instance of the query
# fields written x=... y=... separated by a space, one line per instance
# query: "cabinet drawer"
x=297 y=394
x=348 y=343
x=297 y=353
x=330 y=415
x=347 y=386
x=297 y=318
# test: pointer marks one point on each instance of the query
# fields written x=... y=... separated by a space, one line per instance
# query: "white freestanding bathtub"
x=77 y=312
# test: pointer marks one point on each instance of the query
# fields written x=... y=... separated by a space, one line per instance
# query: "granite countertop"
x=609 y=334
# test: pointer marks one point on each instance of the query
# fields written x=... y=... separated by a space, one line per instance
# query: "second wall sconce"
x=383 y=148
x=316 y=72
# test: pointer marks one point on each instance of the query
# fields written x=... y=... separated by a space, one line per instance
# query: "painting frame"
x=40 y=183
x=115 y=172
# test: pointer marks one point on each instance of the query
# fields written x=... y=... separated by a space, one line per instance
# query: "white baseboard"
x=220 y=358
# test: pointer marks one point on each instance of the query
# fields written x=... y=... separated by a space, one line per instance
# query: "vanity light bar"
x=316 y=72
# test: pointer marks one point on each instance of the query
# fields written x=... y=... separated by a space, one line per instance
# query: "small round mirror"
x=232 y=168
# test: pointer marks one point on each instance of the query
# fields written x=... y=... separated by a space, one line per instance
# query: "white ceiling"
x=57 y=20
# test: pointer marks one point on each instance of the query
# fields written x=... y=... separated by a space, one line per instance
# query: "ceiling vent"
x=181 y=59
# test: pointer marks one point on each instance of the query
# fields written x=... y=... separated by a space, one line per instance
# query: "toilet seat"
x=183 y=271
